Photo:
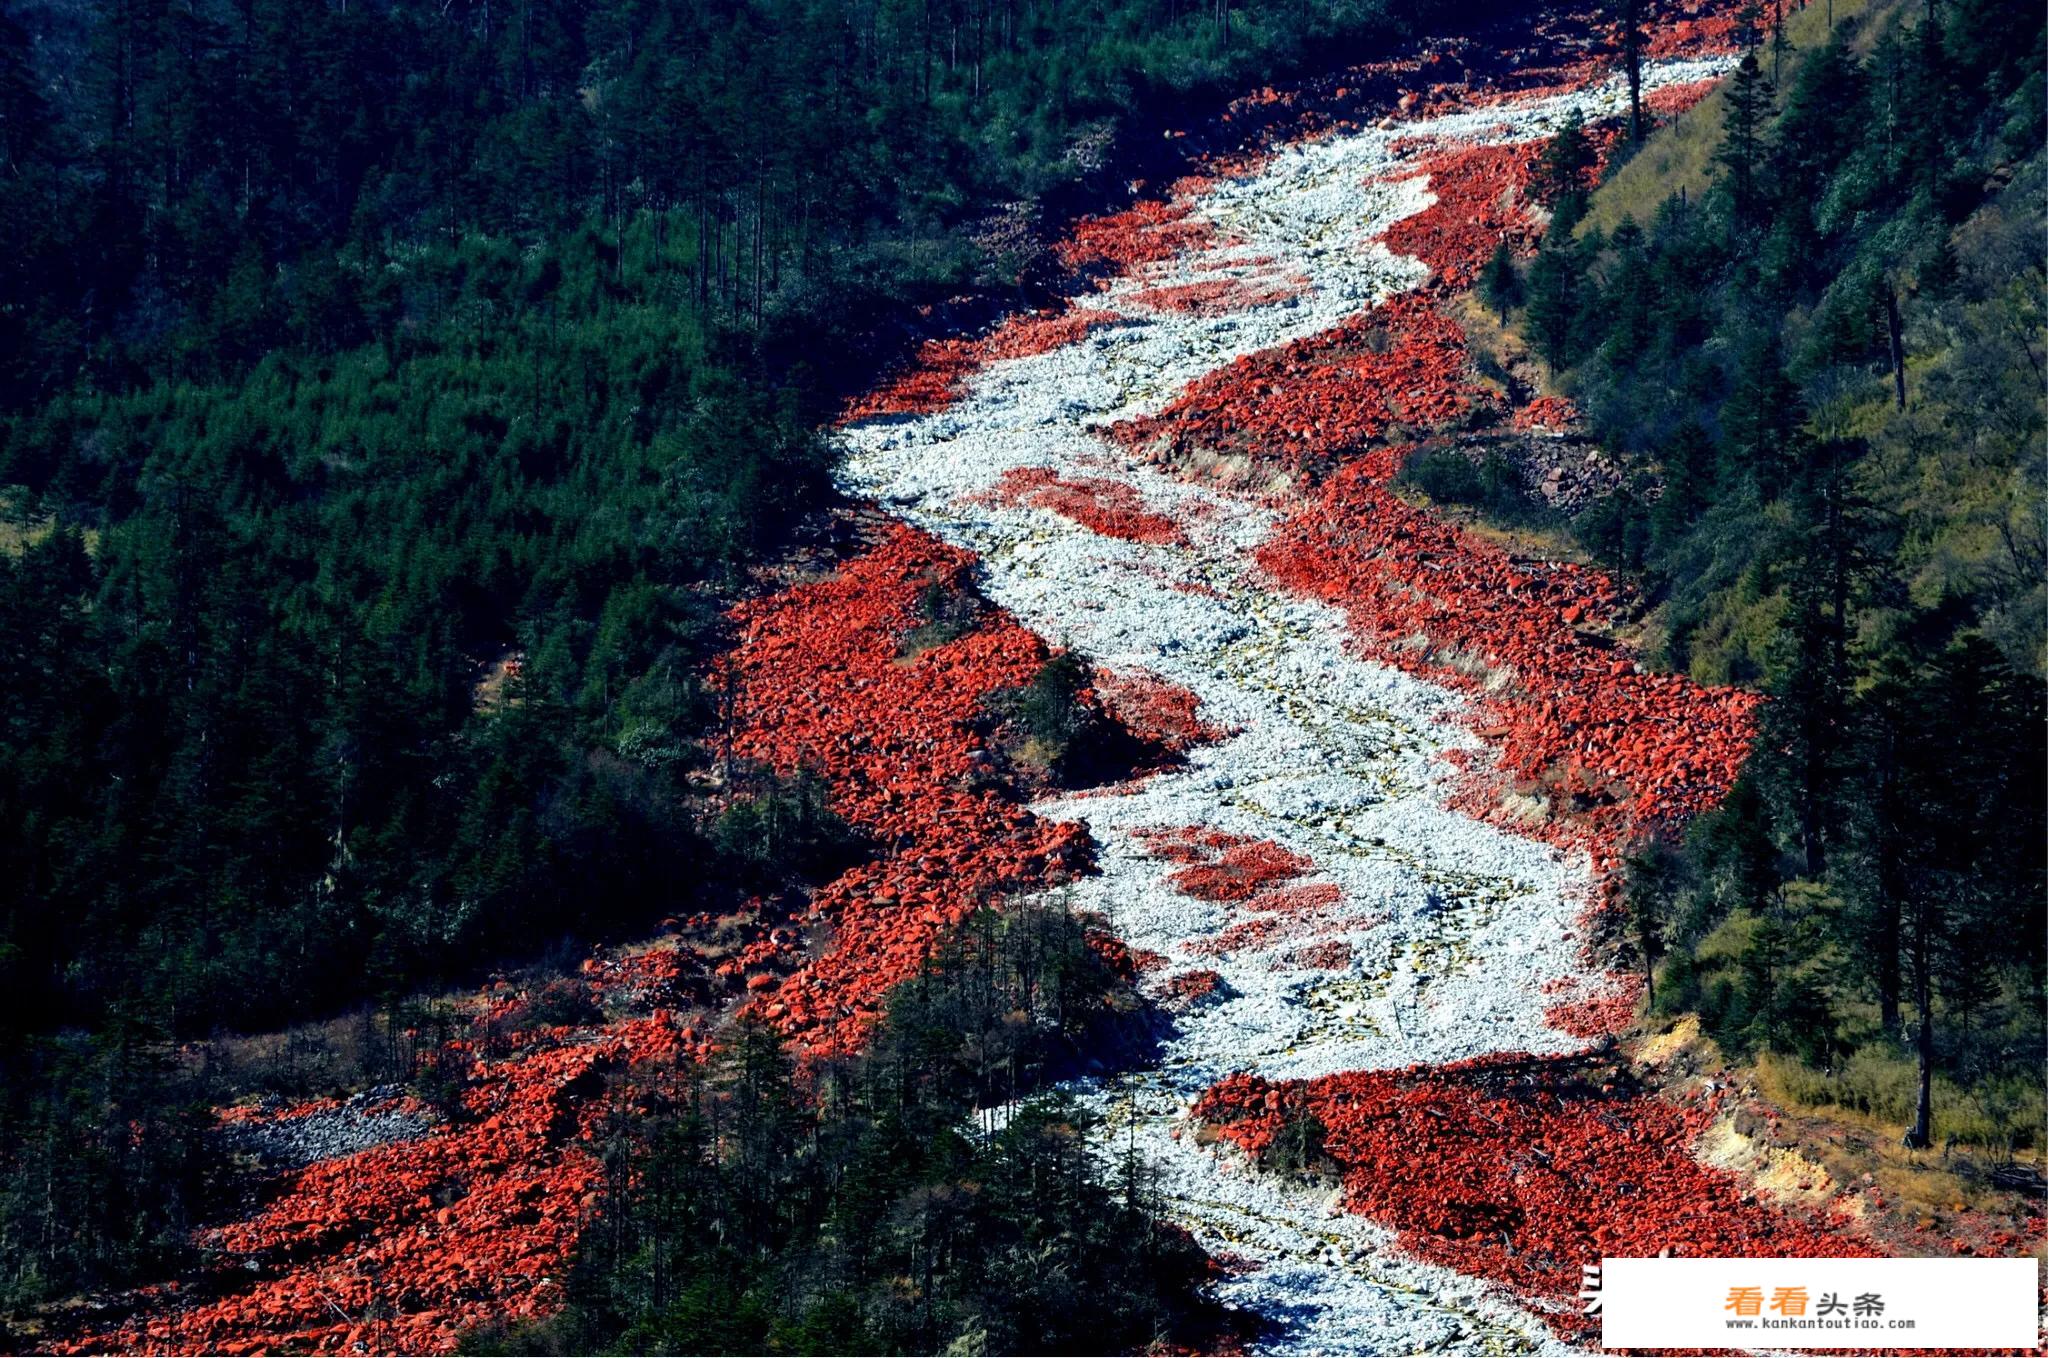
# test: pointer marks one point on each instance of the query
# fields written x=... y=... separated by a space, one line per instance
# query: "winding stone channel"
x=1432 y=937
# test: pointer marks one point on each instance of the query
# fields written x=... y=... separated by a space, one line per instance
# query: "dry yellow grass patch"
x=1680 y=154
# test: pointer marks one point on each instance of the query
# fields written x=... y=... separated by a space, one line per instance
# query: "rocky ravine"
x=1318 y=905
x=1409 y=765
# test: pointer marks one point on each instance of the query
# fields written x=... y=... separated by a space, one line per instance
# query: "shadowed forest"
x=394 y=398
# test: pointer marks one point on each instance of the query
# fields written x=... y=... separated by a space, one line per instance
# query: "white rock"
x=1454 y=926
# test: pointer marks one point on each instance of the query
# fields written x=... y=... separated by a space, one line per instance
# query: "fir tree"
x=1567 y=159
x=1500 y=283
x=1748 y=103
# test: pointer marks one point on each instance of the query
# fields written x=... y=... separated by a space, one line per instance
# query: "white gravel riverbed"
x=1460 y=935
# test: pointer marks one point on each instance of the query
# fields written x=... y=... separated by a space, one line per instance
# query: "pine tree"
x=1556 y=286
x=1628 y=18
x=1499 y=282
x=1742 y=139
x=1568 y=158
x=1760 y=420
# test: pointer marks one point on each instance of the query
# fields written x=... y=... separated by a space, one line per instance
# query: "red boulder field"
x=1512 y=1168
x=1521 y=1170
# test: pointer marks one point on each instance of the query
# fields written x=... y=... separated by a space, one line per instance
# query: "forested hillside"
x=389 y=396
x=349 y=350
x=501 y=855
x=1825 y=371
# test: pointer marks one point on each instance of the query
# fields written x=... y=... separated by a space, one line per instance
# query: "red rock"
x=1622 y=752
x=1222 y=866
x=1514 y=1169
x=1215 y=297
x=1156 y=709
x=1144 y=233
x=1111 y=508
x=1302 y=404
x=897 y=744
x=1599 y=1016
x=1482 y=198
x=1546 y=412
x=935 y=377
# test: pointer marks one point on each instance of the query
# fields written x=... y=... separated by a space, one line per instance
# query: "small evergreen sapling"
x=1499 y=283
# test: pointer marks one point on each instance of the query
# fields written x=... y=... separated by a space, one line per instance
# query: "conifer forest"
x=1011 y=676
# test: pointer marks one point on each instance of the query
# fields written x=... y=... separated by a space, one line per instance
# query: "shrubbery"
x=926 y=1201
x=1491 y=484
x=385 y=410
x=1826 y=372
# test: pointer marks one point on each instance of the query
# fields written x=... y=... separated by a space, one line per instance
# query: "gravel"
x=285 y=1138
x=1455 y=928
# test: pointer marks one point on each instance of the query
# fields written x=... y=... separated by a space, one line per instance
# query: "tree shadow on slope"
x=1057 y=726
x=925 y=1196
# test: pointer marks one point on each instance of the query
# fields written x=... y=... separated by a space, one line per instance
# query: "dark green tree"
x=1743 y=138
x=1500 y=283
x=1568 y=159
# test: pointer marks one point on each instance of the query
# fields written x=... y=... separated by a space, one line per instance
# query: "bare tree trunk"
x=1632 y=57
x=1888 y=986
x=1898 y=340
x=1921 y=1134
